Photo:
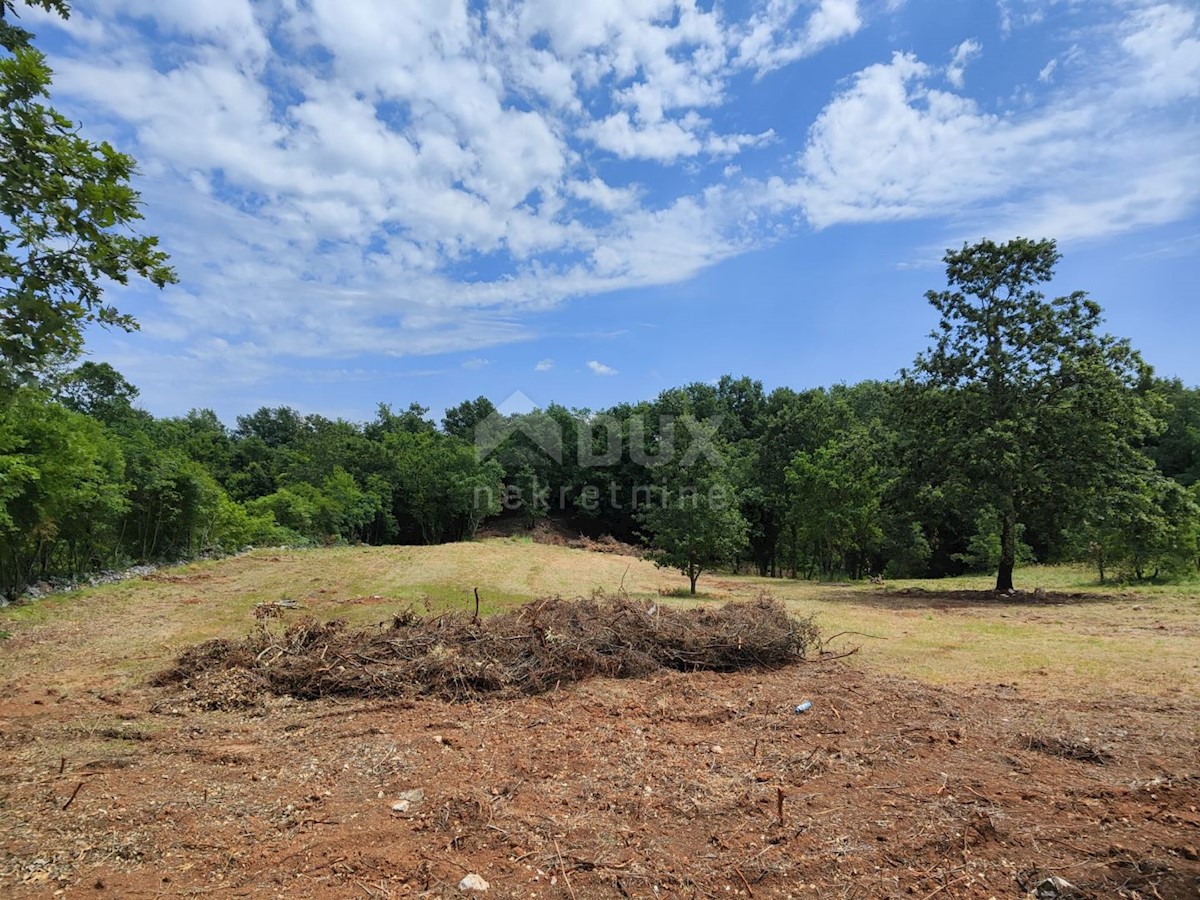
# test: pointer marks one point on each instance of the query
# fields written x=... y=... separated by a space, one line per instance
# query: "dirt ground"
x=691 y=785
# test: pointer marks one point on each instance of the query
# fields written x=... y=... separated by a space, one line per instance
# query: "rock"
x=717 y=749
x=473 y=882
x=1053 y=888
x=406 y=800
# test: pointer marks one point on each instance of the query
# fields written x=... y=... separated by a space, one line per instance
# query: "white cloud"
x=1046 y=75
x=1165 y=38
x=963 y=54
x=334 y=179
x=476 y=362
x=770 y=40
x=1085 y=163
x=544 y=365
x=600 y=368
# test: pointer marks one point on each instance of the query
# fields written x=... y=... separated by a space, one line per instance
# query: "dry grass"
x=1128 y=640
x=1134 y=640
x=364 y=585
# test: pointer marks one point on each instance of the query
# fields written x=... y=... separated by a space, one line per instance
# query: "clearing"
x=975 y=747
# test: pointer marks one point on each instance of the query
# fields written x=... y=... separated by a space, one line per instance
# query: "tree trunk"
x=1008 y=548
x=693 y=574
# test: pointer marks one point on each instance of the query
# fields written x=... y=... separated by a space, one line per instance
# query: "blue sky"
x=591 y=201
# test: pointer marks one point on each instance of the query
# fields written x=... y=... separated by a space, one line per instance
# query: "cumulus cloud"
x=347 y=167
x=544 y=365
x=600 y=368
x=892 y=146
x=338 y=179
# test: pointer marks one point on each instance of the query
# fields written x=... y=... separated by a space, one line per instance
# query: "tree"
x=97 y=390
x=1020 y=400
x=61 y=491
x=1142 y=525
x=65 y=213
x=837 y=490
x=442 y=485
x=692 y=520
x=462 y=420
x=1177 y=450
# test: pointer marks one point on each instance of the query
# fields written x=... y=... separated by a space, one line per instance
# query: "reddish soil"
x=669 y=786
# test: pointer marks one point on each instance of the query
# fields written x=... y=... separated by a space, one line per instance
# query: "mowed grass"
x=1113 y=640
x=1109 y=639
x=119 y=633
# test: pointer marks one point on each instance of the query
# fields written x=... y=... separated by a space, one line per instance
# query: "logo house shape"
x=523 y=418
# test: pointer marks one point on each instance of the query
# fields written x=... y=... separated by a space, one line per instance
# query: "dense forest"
x=900 y=478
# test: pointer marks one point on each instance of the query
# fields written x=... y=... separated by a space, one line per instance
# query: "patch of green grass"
x=1069 y=578
x=437 y=598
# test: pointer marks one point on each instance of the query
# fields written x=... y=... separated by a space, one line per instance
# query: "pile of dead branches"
x=528 y=650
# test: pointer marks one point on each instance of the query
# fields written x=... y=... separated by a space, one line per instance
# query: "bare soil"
x=692 y=785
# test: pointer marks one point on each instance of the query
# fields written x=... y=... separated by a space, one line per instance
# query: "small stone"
x=406 y=800
x=717 y=749
x=1053 y=887
x=473 y=882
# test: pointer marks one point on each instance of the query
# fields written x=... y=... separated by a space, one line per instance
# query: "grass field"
x=1137 y=640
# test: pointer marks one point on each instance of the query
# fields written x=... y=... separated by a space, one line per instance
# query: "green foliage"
x=293 y=508
x=462 y=420
x=693 y=520
x=1022 y=433
x=234 y=526
x=66 y=208
x=172 y=499
x=13 y=37
x=985 y=548
x=1142 y=525
x=907 y=551
x=441 y=484
x=1176 y=451
x=836 y=496
x=1020 y=401
x=61 y=491
x=98 y=390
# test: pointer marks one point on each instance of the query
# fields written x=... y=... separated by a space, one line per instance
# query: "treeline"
x=818 y=483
